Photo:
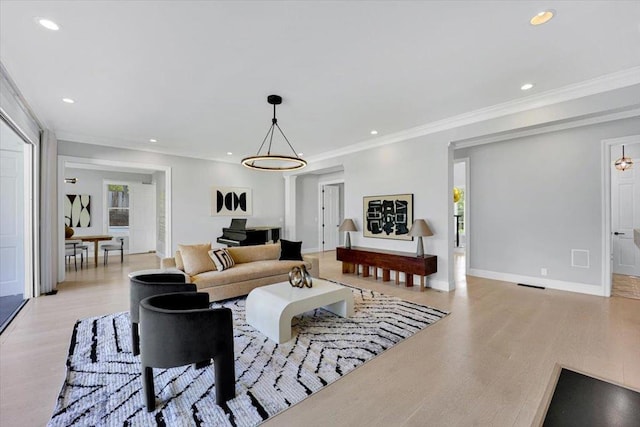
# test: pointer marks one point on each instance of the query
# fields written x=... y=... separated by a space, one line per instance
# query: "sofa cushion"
x=244 y=254
x=290 y=250
x=196 y=258
x=221 y=259
x=245 y=271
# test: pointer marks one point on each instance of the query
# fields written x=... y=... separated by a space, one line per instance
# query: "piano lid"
x=238 y=224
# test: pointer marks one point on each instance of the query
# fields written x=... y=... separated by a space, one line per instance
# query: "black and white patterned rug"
x=104 y=385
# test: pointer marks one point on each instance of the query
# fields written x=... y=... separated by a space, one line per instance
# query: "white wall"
x=192 y=180
x=536 y=198
x=418 y=167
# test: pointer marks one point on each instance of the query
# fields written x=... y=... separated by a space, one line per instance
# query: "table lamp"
x=347 y=226
x=420 y=228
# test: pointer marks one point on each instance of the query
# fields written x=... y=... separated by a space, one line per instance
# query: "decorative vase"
x=299 y=277
x=68 y=232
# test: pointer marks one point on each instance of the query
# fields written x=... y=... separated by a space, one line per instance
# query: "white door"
x=331 y=216
x=12 y=261
x=142 y=225
x=625 y=212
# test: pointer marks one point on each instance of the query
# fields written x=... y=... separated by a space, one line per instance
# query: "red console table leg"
x=386 y=275
x=365 y=270
x=408 y=279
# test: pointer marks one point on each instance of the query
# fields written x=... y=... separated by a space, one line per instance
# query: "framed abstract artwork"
x=234 y=201
x=77 y=210
x=388 y=217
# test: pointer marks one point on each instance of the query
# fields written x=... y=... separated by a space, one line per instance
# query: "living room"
x=538 y=161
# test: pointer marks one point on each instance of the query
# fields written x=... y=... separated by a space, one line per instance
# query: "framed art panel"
x=77 y=210
x=234 y=201
x=388 y=217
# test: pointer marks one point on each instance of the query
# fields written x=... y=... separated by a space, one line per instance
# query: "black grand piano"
x=237 y=234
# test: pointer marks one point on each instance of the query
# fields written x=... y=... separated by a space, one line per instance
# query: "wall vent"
x=580 y=258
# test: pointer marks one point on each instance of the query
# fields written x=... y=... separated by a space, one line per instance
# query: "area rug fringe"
x=103 y=385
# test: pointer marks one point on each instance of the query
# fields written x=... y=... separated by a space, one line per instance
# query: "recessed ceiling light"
x=374 y=132
x=300 y=154
x=153 y=140
x=68 y=100
x=48 y=24
x=542 y=17
x=526 y=86
x=229 y=153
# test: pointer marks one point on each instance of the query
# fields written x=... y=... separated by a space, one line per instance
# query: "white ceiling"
x=195 y=75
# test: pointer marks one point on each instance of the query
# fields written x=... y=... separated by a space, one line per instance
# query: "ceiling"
x=195 y=75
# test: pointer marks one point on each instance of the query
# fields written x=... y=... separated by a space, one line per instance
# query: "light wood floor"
x=487 y=364
x=625 y=286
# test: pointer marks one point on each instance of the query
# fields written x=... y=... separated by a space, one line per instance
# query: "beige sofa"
x=254 y=266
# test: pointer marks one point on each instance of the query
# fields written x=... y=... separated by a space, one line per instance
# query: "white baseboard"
x=439 y=285
x=310 y=250
x=560 y=285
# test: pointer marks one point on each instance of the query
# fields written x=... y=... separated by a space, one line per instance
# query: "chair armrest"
x=315 y=264
x=168 y=263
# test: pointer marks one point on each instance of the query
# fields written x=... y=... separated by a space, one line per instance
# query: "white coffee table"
x=270 y=308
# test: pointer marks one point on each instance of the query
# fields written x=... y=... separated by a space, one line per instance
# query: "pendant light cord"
x=274 y=123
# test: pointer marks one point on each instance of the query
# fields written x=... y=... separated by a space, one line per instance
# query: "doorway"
x=16 y=213
x=625 y=218
x=154 y=178
x=460 y=199
x=331 y=214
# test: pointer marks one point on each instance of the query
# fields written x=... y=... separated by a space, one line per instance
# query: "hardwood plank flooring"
x=488 y=363
x=625 y=286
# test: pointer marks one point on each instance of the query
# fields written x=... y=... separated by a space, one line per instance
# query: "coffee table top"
x=285 y=291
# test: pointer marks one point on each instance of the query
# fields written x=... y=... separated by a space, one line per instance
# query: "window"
x=117 y=207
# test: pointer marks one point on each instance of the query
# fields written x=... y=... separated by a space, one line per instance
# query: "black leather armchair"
x=179 y=329
x=146 y=285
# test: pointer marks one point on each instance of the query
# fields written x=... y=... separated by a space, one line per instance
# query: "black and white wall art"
x=77 y=210
x=231 y=201
x=388 y=217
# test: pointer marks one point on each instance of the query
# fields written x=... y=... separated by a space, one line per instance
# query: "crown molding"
x=553 y=126
x=120 y=143
x=608 y=82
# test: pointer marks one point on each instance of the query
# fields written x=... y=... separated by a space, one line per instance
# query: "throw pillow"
x=179 y=263
x=221 y=259
x=290 y=250
x=196 y=258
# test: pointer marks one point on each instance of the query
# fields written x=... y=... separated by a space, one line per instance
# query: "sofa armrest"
x=168 y=263
x=315 y=264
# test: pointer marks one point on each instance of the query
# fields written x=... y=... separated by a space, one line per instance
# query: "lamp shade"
x=348 y=225
x=420 y=228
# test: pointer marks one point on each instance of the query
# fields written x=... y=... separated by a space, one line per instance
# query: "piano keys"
x=237 y=234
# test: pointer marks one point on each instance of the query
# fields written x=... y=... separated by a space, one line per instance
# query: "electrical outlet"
x=543 y=271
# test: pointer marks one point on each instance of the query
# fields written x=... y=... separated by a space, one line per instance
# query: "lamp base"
x=347 y=240
x=420 y=248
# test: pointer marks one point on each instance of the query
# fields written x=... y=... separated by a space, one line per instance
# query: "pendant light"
x=623 y=163
x=274 y=162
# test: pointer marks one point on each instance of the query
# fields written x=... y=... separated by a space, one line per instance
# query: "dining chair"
x=113 y=247
x=71 y=249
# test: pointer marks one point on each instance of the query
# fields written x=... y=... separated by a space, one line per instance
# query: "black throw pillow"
x=290 y=250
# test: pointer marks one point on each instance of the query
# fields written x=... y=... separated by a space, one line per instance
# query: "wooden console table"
x=405 y=262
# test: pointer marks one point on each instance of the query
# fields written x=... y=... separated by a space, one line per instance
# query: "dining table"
x=95 y=239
